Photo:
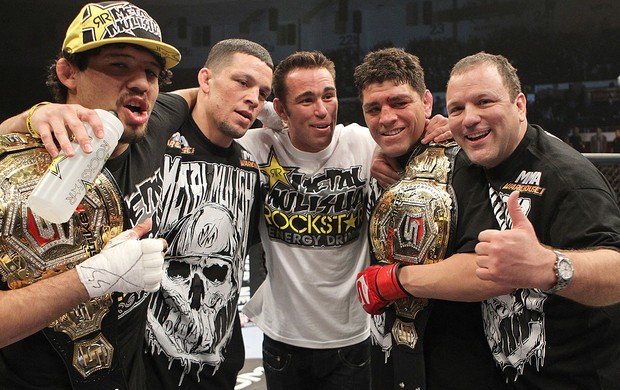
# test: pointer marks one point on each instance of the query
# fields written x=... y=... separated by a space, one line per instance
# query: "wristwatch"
x=563 y=271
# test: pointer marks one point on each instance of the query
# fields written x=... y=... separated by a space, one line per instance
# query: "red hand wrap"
x=388 y=285
x=377 y=286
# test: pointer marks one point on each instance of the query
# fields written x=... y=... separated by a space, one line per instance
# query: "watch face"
x=565 y=270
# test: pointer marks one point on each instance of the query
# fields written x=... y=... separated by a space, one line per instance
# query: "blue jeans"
x=288 y=367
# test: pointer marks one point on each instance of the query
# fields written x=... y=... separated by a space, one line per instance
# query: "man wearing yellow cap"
x=112 y=58
x=206 y=215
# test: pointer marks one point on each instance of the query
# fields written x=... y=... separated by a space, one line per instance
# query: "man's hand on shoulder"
x=436 y=130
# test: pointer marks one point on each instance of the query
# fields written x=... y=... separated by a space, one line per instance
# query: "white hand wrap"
x=125 y=264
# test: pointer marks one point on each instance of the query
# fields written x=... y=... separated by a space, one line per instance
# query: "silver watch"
x=563 y=271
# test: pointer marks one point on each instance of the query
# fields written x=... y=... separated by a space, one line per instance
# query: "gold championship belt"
x=32 y=248
x=411 y=224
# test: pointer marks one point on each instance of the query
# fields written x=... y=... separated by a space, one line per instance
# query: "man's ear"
x=280 y=110
x=521 y=103
x=428 y=103
x=66 y=73
x=204 y=76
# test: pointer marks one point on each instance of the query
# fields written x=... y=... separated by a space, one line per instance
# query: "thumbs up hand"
x=515 y=257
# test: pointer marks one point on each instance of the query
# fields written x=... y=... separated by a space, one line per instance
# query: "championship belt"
x=32 y=249
x=411 y=224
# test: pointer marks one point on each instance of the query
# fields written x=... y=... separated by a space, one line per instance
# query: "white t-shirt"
x=314 y=231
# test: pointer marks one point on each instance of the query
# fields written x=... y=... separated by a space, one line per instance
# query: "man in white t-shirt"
x=315 y=177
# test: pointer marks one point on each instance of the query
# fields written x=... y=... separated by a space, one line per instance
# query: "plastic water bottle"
x=64 y=184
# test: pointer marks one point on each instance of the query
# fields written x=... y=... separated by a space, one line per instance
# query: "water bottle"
x=64 y=184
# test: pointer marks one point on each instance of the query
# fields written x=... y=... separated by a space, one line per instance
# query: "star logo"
x=95 y=20
x=350 y=222
x=275 y=171
x=54 y=167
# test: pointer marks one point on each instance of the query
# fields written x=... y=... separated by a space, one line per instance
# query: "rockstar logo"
x=54 y=167
x=350 y=222
x=94 y=21
x=275 y=171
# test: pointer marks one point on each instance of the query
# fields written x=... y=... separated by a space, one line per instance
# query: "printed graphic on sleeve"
x=323 y=210
x=141 y=204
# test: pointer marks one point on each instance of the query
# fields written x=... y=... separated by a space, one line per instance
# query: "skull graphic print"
x=201 y=285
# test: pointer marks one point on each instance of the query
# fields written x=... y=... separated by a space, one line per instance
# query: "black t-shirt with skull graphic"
x=208 y=217
x=540 y=340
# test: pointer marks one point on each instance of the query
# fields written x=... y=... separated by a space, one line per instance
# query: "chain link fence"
x=609 y=165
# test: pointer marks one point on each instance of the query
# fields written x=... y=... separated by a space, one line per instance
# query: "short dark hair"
x=391 y=64
x=221 y=52
x=297 y=60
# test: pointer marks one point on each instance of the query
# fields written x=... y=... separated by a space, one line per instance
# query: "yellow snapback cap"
x=108 y=22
